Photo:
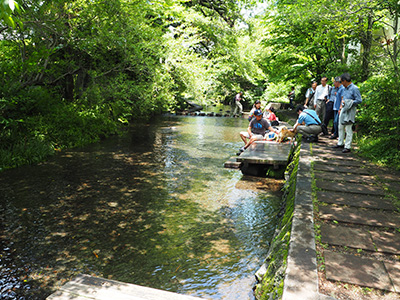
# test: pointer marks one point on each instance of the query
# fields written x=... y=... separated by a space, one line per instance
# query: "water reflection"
x=155 y=208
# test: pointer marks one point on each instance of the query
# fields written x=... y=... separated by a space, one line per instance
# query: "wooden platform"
x=85 y=287
x=260 y=156
x=266 y=153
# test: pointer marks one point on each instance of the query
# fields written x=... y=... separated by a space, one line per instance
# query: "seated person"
x=256 y=130
x=308 y=122
x=270 y=116
x=256 y=105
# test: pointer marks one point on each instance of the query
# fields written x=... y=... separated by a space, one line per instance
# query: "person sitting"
x=256 y=105
x=308 y=122
x=255 y=131
x=270 y=116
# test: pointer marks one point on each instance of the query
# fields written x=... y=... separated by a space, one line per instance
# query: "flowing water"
x=154 y=207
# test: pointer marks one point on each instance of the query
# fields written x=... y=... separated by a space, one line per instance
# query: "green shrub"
x=379 y=120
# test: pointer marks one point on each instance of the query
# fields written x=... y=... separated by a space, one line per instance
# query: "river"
x=154 y=207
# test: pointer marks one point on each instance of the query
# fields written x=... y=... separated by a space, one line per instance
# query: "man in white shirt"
x=321 y=97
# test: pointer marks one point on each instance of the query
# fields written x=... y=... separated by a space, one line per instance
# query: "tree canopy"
x=68 y=65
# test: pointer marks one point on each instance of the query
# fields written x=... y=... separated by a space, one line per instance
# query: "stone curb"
x=301 y=276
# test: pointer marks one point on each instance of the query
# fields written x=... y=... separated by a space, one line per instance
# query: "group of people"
x=260 y=123
x=323 y=103
x=337 y=103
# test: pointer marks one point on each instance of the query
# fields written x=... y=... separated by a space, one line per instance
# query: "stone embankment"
x=344 y=239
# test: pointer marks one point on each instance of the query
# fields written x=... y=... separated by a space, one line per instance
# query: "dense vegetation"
x=75 y=71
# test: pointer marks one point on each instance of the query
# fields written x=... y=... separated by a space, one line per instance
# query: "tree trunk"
x=366 y=41
x=69 y=87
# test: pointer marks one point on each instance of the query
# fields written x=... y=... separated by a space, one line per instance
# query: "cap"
x=257 y=112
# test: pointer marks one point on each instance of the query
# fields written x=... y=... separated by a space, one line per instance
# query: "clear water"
x=154 y=207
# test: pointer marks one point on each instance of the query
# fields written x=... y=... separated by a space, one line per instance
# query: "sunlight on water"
x=155 y=207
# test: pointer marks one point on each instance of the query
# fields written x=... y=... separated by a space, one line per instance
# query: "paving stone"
x=388 y=242
x=333 y=155
x=95 y=288
x=356 y=200
x=364 y=179
x=341 y=169
x=350 y=187
x=338 y=162
x=362 y=216
x=393 y=186
x=394 y=273
x=357 y=270
x=358 y=238
x=388 y=175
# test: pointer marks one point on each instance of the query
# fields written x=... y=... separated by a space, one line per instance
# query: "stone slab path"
x=359 y=222
x=357 y=200
x=329 y=167
x=358 y=270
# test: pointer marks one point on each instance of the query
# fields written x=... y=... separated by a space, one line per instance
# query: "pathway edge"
x=301 y=276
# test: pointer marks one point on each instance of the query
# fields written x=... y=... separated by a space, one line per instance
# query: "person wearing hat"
x=256 y=130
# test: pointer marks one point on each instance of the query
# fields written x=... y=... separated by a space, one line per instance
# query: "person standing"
x=310 y=96
x=329 y=105
x=351 y=97
x=336 y=106
x=238 y=105
x=320 y=98
x=291 y=96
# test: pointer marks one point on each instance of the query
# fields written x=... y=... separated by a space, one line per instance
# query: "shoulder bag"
x=323 y=126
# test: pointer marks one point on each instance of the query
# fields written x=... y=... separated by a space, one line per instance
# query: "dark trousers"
x=336 y=123
x=328 y=113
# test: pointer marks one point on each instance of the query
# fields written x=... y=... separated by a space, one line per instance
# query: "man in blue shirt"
x=308 y=122
x=351 y=97
x=338 y=90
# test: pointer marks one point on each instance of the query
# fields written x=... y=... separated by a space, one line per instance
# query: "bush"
x=379 y=120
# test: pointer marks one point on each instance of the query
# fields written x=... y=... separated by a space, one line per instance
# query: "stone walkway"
x=359 y=224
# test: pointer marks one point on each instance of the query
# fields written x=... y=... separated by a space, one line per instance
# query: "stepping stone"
x=357 y=270
x=232 y=163
x=356 y=200
x=365 y=179
x=358 y=238
x=350 y=187
x=362 y=216
x=341 y=169
x=388 y=242
x=394 y=273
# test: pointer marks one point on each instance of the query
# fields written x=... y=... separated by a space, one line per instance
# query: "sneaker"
x=345 y=150
x=338 y=146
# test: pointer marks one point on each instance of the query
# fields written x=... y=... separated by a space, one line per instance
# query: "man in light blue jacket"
x=336 y=106
x=351 y=97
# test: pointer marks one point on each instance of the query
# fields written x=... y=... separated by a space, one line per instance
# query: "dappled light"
x=160 y=212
